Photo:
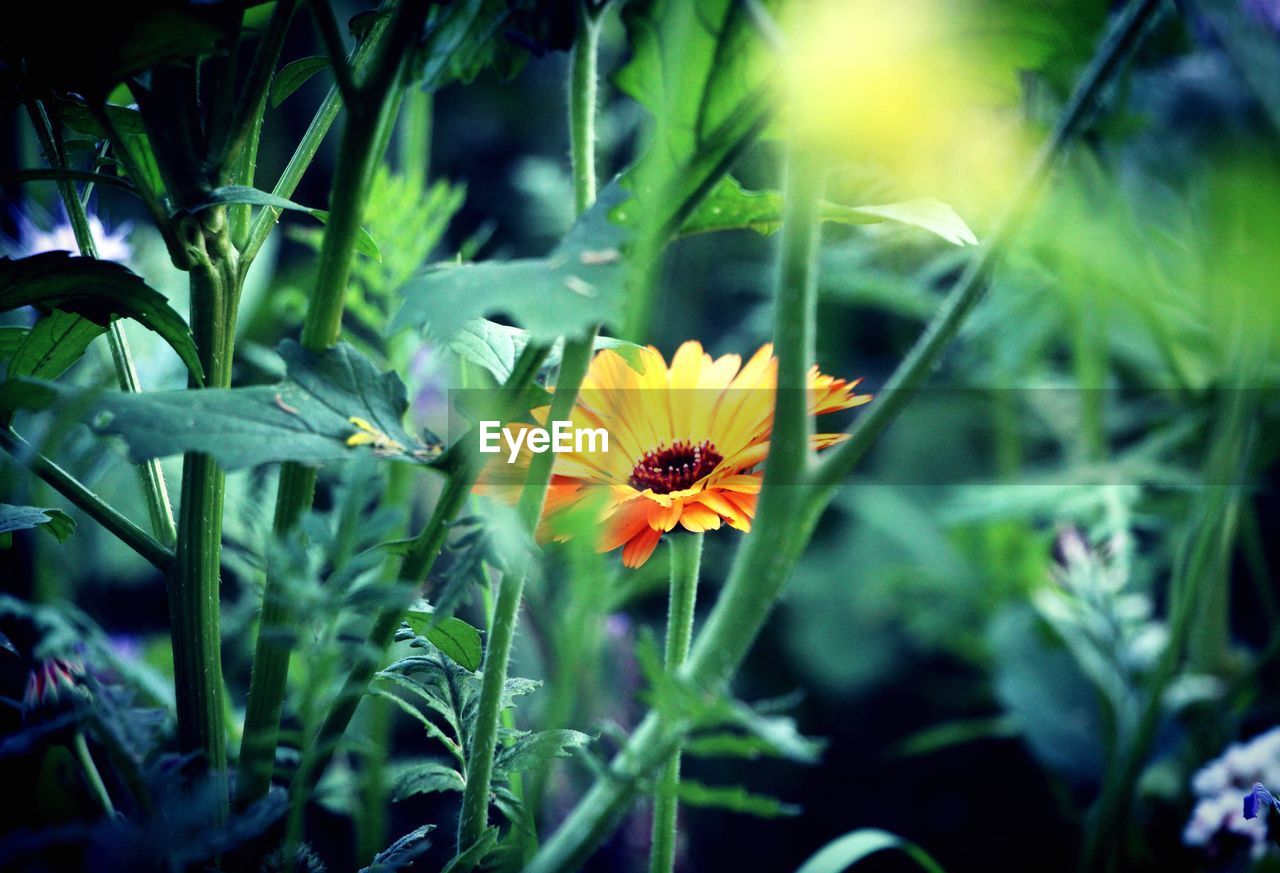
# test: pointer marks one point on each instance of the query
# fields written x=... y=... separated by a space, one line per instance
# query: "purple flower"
x=1259 y=799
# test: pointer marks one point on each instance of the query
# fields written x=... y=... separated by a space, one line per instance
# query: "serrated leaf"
x=53 y=344
x=734 y=798
x=497 y=346
x=332 y=405
x=55 y=521
x=293 y=76
x=731 y=207
x=842 y=853
x=425 y=779
x=97 y=290
x=532 y=749
x=229 y=194
x=452 y=636
x=578 y=285
x=402 y=853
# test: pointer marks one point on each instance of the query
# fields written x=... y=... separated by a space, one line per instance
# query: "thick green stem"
x=307 y=148
x=785 y=518
x=194 y=614
x=150 y=476
x=686 y=559
x=370 y=120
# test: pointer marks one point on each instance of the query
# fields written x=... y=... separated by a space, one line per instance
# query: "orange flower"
x=684 y=444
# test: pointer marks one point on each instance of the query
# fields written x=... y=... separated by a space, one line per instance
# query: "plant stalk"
x=370 y=119
x=155 y=552
x=194 y=614
x=150 y=476
x=777 y=540
x=686 y=558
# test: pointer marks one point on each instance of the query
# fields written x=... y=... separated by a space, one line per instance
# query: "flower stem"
x=150 y=476
x=582 y=110
x=686 y=558
x=474 y=817
x=96 y=785
x=787 y=514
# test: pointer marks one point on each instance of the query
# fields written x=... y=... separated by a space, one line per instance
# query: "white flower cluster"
x=1221 y=786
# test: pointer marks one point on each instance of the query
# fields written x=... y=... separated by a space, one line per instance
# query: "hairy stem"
x=194 y=615
x=582 y=111
x=787 y=513
x=686 y=559
x=370 y=119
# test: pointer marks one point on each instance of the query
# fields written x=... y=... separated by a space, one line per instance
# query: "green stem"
x=370 y=119
x=91 y=774
x=788 y=511
x=91 y=504
x=474 y=817
x=686 y=558
x=417 y=563
x=1120 y=44
x=307 y=148
x=194 y=586
x=415 y=136
x=150 y=476
x=582 y=111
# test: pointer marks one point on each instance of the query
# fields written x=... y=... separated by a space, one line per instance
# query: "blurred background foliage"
x=988 y=601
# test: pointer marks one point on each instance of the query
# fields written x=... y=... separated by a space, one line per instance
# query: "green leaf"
x=255 y=197
x=532 y=749
x=57 y=341
x=452 y=636
x=731 y=207
x=55 y=521
x=293 y=75
x=475 y=854
x=77 y=116
x=426 y=778
x=402 y=853
x=97 y=290
x=734 y=798
x=579 y=284
x=701 y=72
x=11 y=339
x=497 y=346
x=842 y=853
x=331 y=406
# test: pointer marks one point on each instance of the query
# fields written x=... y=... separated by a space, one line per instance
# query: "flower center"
x=674 y=468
